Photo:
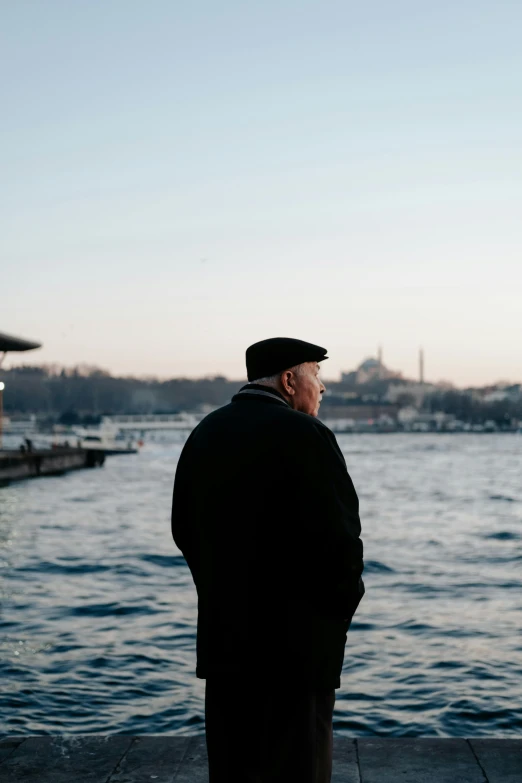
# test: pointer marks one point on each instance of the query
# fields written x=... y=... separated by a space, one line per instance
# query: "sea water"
x=98 y=608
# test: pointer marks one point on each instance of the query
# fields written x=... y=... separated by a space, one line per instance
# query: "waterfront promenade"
x=182 y=759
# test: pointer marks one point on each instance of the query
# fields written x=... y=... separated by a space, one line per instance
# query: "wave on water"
x=65 y=569
x=374 y=566
x=504 y=535
x=165 y=561
x=106 y=610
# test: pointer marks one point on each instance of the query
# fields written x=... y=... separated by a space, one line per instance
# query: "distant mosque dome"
x=370 y=370
x=369 y=364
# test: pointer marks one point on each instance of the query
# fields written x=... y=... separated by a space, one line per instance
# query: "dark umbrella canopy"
x=10 y=343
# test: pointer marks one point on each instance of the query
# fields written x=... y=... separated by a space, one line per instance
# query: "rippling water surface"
x=98 y=608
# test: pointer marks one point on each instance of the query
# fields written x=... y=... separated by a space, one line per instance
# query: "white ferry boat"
x=109 y=441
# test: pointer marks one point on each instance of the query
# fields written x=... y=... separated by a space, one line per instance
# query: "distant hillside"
x=83 y=394
x=95 y=392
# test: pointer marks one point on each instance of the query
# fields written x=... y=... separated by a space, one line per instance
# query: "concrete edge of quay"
x=122 y=758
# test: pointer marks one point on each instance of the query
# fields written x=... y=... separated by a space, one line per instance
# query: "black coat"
x=266 y=515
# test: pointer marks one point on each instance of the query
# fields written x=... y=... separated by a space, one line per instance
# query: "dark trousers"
x=268 y=732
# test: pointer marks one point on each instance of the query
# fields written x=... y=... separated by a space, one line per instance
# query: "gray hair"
x=272 y=380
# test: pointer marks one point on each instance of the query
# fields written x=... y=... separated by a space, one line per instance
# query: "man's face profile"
x=304 y=388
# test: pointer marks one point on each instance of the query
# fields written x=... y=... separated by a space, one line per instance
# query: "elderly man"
x=266 y=516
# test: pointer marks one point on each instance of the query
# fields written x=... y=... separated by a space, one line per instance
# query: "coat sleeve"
x=182 y=513
x=328 y=551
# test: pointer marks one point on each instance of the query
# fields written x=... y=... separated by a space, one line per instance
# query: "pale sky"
x=181 y=179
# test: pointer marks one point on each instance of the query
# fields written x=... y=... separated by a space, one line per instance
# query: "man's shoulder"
x=280 y=417
x=210 y=421
x=310 y=423
x=302 y=430
x=316 y=434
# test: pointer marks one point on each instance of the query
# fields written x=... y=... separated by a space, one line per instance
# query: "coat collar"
x=251 y=390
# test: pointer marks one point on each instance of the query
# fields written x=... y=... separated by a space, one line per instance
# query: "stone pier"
x=18 y=465
x=120 y=758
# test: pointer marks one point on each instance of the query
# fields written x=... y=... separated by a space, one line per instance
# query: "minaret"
x=379 y=356
x=421 y=365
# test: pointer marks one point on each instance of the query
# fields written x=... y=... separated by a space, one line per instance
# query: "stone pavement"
x=119 y=758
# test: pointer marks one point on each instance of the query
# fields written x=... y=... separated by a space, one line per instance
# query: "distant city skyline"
x=180 y=181
x=21 y=359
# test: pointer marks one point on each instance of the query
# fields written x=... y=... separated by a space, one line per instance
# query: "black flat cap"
x=269 y=357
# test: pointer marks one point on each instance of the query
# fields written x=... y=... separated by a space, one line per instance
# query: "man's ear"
x=286 y=378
